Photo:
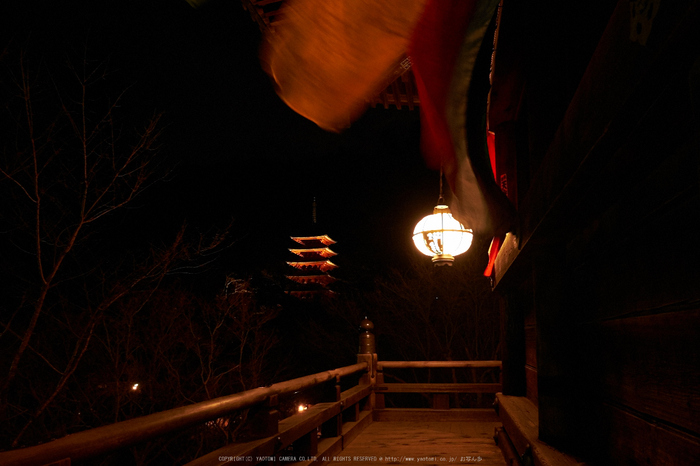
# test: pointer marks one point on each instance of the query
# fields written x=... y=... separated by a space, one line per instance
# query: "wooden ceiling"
x=401 y=93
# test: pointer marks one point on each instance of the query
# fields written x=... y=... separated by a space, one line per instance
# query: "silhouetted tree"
x=69 y=163
x=437 y=313
x=172 y=348
x=420 y=312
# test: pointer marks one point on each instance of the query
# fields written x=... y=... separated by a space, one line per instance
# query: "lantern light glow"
x=440 y=235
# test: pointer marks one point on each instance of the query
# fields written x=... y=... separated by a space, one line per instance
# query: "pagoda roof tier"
x=313 y=240
x=314 y=252
x=323 y=266
x=312 y=257
x=323 y=279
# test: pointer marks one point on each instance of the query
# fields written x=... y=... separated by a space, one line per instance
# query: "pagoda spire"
x=313 y=211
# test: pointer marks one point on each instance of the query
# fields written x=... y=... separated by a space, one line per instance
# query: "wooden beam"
x=520 y=421
x=434 y=364
x=433 y=415
x=509 y=453
x=627 y=438
x=438 y=387
x=651 y=355
x=352 y=429
x=329 y=447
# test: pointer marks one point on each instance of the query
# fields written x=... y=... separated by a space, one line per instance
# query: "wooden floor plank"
x=384 y=443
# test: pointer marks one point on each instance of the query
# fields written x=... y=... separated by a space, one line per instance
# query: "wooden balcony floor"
x=406 y=442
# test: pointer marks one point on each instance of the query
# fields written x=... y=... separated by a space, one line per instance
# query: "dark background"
x=235 y=151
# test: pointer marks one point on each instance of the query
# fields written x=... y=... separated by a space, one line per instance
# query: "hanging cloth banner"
x=329 y=58
x=443 y=51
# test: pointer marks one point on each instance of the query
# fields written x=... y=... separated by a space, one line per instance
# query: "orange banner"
x=329 y=58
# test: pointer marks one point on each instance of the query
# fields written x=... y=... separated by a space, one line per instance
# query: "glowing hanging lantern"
x=440 y=235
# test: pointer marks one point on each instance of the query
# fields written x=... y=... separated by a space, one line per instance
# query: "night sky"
x=237 y=152
x=233 y=154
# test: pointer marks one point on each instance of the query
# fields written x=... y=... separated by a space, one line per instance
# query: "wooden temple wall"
x=601 y=286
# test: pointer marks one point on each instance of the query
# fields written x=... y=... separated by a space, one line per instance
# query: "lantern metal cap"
x=443 y=259
x=441 y=209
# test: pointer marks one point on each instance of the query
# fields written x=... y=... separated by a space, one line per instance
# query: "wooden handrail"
x=432 y=364
x=101 y=440
x=440 y=391
x=438 y=387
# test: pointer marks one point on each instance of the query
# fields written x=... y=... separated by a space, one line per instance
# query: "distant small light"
x=135 y=387
x=302 y=408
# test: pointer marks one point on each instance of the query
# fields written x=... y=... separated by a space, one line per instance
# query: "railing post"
x=367 y=343
x=368 y=352
x=265 y=421
x=331 y=391
x=307 y=445
x=334 y=426
x=378 y=398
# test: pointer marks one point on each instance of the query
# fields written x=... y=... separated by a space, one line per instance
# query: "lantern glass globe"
x=441 y=236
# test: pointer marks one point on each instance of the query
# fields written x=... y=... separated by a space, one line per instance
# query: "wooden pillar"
x=378 y=398
x=371 y=360
x=333 y=426
x=331 y=390
x=555 y=355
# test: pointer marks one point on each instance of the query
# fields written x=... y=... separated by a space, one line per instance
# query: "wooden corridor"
x=421 y=442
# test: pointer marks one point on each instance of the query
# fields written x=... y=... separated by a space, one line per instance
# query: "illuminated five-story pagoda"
x=312 y=276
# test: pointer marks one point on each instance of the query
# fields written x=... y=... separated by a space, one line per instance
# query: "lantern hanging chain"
x=441 y=234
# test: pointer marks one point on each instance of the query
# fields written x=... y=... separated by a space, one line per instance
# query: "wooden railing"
x=322 y=430
x=101 y=440
x=441 y=391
